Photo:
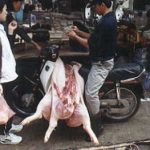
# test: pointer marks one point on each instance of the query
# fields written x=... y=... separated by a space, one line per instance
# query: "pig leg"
x=87 y=126
x=88 y=129
x=27 y=120
x=87 y=123
x=81 y=116
x=38 y=114
x=52 y=125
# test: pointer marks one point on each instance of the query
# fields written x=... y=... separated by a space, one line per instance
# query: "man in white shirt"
x=7 y=75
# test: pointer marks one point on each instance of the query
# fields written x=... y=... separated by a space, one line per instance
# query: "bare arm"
x=81 y=40
x=81 y=33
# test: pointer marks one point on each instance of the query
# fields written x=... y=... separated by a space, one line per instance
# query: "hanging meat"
x=64 y=100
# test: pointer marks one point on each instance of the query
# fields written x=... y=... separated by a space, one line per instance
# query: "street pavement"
x=137 y=128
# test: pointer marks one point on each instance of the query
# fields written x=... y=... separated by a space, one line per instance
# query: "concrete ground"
x=137 y=128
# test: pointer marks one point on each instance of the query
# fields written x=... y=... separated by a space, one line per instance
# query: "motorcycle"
x=119 y=96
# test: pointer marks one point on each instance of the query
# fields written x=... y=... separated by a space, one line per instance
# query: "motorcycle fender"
x=46 y=73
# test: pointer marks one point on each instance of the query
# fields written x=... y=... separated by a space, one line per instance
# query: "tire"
x=24 y=99
x=133 y=104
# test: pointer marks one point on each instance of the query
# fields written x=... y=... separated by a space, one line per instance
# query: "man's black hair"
x=17 y=0
x=106 y=2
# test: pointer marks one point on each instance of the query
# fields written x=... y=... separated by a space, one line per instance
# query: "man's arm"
x=10 y=33
x=81 y=33
x=84 y=34
x=81 y=40
x=21 y=32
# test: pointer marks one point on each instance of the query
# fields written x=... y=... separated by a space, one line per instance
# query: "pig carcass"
x=64 y=100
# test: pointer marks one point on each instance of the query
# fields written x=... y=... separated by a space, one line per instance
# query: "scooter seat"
x=118 y=73
x=124 y=72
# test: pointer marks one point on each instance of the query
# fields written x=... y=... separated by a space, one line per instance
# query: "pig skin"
x=53 y=108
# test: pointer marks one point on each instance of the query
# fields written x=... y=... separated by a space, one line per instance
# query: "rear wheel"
x=127 y=106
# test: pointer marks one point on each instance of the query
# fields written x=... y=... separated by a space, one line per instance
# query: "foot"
x=96 y=126
x=47 y=136
x=16 y=128
x=26 y=121
x=10 y=138
x=97 y=132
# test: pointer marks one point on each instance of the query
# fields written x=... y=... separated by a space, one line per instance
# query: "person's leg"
x=5 y=128
x=6 y=137
x=8 y=125
x=96 y=78
x=7 y=87
x=2 y=129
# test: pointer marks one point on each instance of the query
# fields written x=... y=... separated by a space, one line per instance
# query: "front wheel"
x=24 y=99
x=126 y=108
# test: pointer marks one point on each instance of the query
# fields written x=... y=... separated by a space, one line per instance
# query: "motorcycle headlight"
x=52 y=52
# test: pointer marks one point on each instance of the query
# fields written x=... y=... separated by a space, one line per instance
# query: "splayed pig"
x=64 y=100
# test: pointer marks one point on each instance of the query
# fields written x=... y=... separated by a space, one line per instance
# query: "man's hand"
x=11 y=27
x=81 y=40
x=75 y=29
x=72 y=35
x=80 y=33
